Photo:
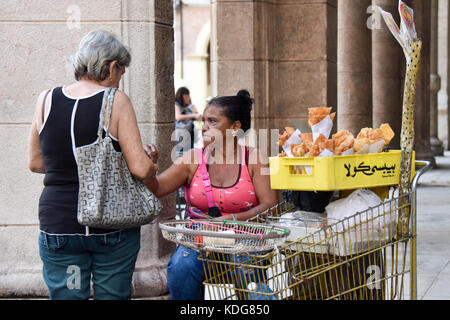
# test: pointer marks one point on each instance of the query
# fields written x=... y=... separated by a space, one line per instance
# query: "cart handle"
x=425 y=166
x=224 y=227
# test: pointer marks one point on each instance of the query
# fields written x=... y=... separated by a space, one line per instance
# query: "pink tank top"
x=237 y=198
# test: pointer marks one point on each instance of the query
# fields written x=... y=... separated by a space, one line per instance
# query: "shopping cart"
x=362 y=257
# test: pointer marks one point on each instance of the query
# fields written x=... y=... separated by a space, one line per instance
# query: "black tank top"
x=72 y=122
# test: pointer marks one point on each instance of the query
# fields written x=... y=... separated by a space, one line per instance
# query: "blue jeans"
x=185 y=275
x=70 y=261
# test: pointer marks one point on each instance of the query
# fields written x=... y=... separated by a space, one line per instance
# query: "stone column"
x=151 y=86
x=387 y=59
x=435 y=82
x=37 y=38
x=285 y=55
x=422 y=17
x=232 y=56
x=354 y=66
x=233 y=65
x=305 y=61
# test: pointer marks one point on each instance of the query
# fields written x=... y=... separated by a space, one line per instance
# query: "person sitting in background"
x=185 y=115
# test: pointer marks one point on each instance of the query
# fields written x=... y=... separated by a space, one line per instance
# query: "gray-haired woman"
x=65 y=118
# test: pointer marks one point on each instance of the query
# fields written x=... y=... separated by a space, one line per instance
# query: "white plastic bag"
x=359 y=201
x=360 y=232
x=323 y=127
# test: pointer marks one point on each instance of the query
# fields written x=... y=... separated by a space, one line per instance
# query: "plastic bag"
x=359 y=201
x=405 y=34
x=369 y=223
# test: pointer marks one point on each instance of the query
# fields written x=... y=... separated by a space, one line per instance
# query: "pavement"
x=433 y=232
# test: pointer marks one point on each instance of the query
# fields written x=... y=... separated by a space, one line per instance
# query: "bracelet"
x=234 y=217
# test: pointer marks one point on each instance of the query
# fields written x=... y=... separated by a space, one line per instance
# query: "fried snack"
x=306 y=145
x=343 y=141
x=285 y=136
x=306 y=137
x=371 y=134
x=315 y=151
x=329 y=145
x=316 y=148
x=304 y=149
x=316 y=115
x=322 y=145
x=388 y=133
x=364 y=133
x=297 y=150
x=340 y=137
x=300 y=150
x=375 y=136
x=368 y=136
x=360 y=143
x=282 y=155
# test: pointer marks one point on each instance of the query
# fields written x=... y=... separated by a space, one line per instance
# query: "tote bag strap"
x=108 y=99
x=110 y=103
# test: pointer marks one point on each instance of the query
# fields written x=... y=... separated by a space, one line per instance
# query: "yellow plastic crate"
x=337 y=173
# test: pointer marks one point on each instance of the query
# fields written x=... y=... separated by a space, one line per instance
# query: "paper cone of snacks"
x=407 y=37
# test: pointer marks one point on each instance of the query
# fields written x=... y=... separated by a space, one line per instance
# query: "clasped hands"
x=152 y=153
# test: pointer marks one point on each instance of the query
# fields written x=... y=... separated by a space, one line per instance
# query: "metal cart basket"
x=362 y=257
x=223 y=236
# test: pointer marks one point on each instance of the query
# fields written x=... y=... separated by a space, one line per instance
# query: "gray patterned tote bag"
x=109 y=196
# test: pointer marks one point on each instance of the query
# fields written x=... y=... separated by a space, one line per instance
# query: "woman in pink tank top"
x=231 y=200
x=237 y=179
x=239 y=187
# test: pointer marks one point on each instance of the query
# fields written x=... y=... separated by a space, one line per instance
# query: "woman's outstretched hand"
x=152 y=152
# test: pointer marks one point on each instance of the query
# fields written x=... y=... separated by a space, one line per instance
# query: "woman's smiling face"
x=215 y=122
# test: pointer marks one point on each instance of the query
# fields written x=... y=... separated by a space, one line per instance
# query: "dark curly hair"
x=236 y=108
